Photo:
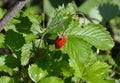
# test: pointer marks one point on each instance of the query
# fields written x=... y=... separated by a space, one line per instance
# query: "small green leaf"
x=9 y=61
x=36 y=73
x=107 y=58
x=59 y=17
x=98 y=71
x=52 y=79
x=30 y=37
x=24 y=26
x=11 y=24
x=61 y=67
x=26 y=52
x=2 y=60
x=1 y=39
x=67 y=71
x=32 y=14
x=6 y=79
x=36 y=29
x=117 y=81
x=14 y=40
x=6 y=69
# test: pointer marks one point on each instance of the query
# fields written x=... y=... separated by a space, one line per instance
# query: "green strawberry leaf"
x=94 y=34
x=36 y=29
x=67 y=71
x=9 y=61
x=52 y=79
x=30 y=37
x=79 y=52
x=36 y=73
x=97 y=71
x=24 y=26
x=11 y=24
x=14 y=40
x=6 y=69
x=6 y=79
x=26 y=53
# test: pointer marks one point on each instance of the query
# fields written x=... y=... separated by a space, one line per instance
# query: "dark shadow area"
x=12 y=62
x=8 y=4
x=14 y=40
x=48 y=39
x=37 y=2
x=4 y=51
x=79 y=2
x=116 y=51
x=108 y=11
x=56 y=3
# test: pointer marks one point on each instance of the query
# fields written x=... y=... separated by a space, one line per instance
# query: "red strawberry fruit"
x=60 y=41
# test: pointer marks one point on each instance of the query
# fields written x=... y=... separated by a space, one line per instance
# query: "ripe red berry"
x=59 y=42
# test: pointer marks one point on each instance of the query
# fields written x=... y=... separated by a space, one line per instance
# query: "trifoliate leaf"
x=36 y=73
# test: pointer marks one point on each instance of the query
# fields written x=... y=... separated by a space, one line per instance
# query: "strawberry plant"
x=70 y=47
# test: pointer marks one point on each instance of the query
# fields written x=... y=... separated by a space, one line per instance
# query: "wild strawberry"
x=60 y=41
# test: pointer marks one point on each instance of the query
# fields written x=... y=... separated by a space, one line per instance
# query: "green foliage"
x=75 y=47
x=93 y=33
x=36 y=73
x=2 y=40
x=17 y=40
x=97 y=71
x=8 y=63
x=85 y=57
x=24 y=25
x=115 y=23
x=6 y=79
x=52 y=80
x=26 y=53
